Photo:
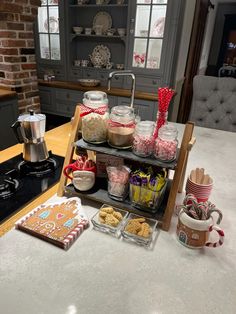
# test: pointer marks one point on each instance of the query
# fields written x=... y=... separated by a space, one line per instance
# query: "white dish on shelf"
x=78 y=29
x=89 y=82
x=53 y=26
x=102 y=18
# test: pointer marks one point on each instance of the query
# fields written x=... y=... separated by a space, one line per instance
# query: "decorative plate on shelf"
x=102 y=18
x=53 y=25
x=101 y=55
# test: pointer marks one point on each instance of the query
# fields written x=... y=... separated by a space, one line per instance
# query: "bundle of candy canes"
x=199 y=211
x=83 y=163
x=118 y=180
x=165 y=95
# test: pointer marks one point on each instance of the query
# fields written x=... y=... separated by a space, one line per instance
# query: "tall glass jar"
x=166 y=144
x=94 y=115
x=143 y=138
x=121 y=127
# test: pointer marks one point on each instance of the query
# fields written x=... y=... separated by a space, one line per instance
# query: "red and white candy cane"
x=221 y=236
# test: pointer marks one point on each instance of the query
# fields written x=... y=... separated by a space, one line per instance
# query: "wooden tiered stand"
x=176 y=185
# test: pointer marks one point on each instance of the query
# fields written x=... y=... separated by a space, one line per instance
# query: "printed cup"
x=196 y=233
x=71 y=168
x=200 y=191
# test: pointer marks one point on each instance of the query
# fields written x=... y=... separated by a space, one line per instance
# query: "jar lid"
x=145 y=125
x=95 y=98
x=122 y=114
x=168 y=132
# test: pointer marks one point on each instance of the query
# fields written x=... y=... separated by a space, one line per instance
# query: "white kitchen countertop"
x=104 y=275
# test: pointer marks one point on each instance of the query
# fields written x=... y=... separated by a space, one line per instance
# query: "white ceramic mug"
x=195 y=233
x=83 y=180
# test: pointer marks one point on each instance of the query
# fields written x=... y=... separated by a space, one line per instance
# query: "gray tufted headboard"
x=214 y=102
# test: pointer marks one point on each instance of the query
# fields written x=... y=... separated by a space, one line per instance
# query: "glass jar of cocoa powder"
x=121 y=127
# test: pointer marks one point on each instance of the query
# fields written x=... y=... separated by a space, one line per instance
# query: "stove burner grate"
x=8 y=186
x=37 y=169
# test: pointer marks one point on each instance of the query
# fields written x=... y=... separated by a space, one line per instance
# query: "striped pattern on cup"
x=200 y=191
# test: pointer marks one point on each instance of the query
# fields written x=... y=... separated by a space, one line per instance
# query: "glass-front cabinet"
x=49 y=30
x=153 y=41
x=49 y=39
x=148 y=33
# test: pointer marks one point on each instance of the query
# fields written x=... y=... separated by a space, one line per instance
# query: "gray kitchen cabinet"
x=59 y=101
x=66 y=101
x=153 y=40
x=50 y=40
x=9 y=114
x=48 y=104
x=144 y=108
x=81 y=46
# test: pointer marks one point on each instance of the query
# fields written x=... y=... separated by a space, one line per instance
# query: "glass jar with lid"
x=121 y=127
x=166 y=144
x=143 y=138
x=94 y=115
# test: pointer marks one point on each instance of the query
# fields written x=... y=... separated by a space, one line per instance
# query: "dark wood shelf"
x=99 y=194
x=97 y=36
x=126 y=154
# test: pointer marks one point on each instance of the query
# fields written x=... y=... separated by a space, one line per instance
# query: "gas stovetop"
x=21 y=182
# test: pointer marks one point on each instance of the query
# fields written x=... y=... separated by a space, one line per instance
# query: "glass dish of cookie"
x=139 y=229
x=109 y=219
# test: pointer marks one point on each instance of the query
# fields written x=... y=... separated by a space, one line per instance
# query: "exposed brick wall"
x=17 y=53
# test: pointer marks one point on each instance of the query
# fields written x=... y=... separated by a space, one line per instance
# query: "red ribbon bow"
x=87 y=110
x=118 y=124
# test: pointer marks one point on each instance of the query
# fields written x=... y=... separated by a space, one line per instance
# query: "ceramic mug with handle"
x=196 y=233
x=81 y=164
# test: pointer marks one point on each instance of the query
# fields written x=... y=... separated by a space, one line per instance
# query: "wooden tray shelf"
x=165 y=210
x=126 y=154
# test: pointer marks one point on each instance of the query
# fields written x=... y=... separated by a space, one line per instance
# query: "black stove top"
x=21 y=182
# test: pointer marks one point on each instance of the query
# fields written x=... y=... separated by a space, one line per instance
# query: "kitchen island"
x=102 y=274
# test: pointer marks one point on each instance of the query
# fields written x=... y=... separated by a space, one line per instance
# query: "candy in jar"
x=121 y=127
x=143 y=138
x=94 y=114
x=165 y=147
x=118 y=179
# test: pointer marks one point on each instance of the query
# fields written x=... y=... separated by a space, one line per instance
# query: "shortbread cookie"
x=145 y=230
x=141 y=220
x=102 y=214
x=108 y=210
x=101 y=220
x=133 y=226
x=111 y=220
x=117 y=215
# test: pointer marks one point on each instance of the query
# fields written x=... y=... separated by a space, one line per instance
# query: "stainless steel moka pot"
x=30 y=129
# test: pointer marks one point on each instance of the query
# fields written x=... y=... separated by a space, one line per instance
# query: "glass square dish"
x=145 y=241
x=98 y=225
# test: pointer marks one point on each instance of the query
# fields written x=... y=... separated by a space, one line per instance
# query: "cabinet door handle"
x=132 y=20
x=88 y=74
x=131 y=31
x=154 y=82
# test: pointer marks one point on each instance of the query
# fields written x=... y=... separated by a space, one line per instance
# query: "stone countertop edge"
x=113 y=92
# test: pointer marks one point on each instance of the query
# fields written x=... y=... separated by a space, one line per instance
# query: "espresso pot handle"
x=15 y=127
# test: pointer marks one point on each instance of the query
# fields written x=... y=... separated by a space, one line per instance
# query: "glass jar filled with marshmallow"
x=94 y=115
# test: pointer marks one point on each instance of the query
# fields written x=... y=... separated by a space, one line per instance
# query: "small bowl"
x=88 y=31
x=115 y=231
x=89 y=82
x=82 y=2
x=120 y=66
x=121 y=31
x=78 y=29
x=143 y=33
x=145 y=241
